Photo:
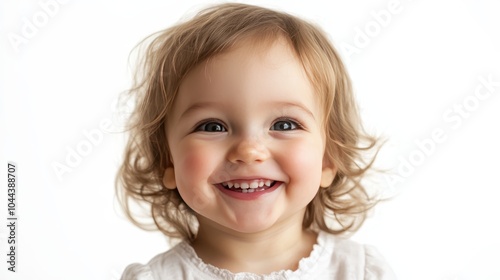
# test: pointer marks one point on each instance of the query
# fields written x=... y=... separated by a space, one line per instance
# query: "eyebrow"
x=197 y=106
x=295 y=105
x=209 y=104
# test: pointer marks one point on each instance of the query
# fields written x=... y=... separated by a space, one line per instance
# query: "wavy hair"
x=168 y=57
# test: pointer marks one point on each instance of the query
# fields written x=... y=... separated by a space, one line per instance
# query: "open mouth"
x=249 y=186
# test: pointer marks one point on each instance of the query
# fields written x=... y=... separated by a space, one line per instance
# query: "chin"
x=251 y=227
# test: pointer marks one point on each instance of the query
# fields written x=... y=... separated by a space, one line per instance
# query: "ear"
x=327 y=175
x=169 y=179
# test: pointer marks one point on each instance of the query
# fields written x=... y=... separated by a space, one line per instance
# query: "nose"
x=248 y=151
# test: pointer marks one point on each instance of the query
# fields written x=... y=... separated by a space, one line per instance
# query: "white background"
x=62 y=80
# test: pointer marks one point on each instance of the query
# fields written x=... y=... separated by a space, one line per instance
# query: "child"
x=245 y=144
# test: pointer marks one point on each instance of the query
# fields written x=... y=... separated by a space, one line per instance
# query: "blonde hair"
x=173 y=52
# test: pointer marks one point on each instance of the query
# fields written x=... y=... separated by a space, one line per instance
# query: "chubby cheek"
x=194 y=163
x=303 y=163
x=193 y=167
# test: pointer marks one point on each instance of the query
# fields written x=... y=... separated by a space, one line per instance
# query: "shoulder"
x=172 y=263
x=375 y=265
x=356 y=260
x=137 y=271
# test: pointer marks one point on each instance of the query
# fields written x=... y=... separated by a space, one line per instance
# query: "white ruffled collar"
x=307 y=264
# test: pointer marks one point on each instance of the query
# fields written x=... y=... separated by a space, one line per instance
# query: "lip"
x=249 y=195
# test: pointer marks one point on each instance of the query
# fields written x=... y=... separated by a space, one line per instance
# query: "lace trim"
x=306 y=264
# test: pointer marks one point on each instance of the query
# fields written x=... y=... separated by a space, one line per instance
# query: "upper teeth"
x=248 y=184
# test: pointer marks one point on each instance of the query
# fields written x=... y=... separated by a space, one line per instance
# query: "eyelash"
x=202 y=125
x=297 y=124
x=210 y=121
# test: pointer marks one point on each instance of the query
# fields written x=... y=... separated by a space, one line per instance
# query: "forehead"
x=261 y=64
x=248 y=69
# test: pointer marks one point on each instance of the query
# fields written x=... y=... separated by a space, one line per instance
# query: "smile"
x=248 y=186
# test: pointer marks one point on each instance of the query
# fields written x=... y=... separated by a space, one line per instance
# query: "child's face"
x=247 y=117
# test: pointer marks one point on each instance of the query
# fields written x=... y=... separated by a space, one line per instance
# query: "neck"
x=281 y=247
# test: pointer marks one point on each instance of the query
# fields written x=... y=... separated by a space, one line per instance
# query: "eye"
x=211 y=126
x=285 y=125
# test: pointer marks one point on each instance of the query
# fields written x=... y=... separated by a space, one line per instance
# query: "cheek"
x=196 y=161
x=303 y=162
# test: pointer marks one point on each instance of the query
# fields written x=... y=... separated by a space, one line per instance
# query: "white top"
x=331 y=258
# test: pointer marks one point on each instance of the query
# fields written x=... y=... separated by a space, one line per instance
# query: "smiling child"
x=246 y=145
